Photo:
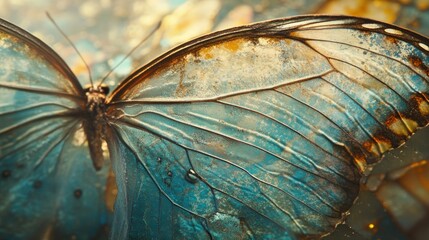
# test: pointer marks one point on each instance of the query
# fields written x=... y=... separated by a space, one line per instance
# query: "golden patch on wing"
x=380 y=146
x=401 y=127
x=206 y=52
x=424 y=108
x=420 y=101
x=231 y=46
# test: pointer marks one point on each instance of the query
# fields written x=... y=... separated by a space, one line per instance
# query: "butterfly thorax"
x=95 y=124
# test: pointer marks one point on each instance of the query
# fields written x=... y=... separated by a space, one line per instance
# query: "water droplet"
x=191 y=176
x=6 y=173
x=159 y=160
x=77 y=193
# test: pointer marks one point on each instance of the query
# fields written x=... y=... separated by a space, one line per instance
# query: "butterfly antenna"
x=74 y=47
x=131 y=52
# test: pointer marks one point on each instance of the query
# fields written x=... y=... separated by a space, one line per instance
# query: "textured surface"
x=281 y=143
x=136 y=175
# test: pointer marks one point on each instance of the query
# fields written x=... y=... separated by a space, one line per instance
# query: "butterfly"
x=258 y=131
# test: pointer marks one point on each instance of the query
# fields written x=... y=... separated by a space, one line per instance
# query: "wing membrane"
x=48 y=186
x=274 y=122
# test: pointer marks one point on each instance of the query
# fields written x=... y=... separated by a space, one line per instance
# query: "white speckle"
x=393 y=31
x=371 y=25
x=424 y=46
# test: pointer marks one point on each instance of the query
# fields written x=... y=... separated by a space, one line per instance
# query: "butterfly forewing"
x=48 y=186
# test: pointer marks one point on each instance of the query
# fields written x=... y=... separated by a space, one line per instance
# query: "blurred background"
x=394 y=201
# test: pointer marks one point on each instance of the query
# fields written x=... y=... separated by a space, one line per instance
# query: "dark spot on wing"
x=6 y=173
x=37 y=184
x=77 y=193
x=20 y=165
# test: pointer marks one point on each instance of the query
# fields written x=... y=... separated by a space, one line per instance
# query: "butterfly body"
x=259 y=131
x=95 y=124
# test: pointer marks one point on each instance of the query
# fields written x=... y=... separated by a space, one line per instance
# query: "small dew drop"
x=371 y=25
x=393 y=31
x=159 y=160
x=6 y=173
x=191 y=176
x=77 y=193
x=424 y=46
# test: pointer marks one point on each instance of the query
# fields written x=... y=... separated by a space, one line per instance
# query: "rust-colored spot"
x=392 y=40
x=111 y=191
x=418 y=63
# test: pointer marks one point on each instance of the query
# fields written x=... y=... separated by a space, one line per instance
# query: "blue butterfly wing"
x=263 y=130
x=48 y=186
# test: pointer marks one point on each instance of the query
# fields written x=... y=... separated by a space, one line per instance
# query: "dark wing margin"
x=265 y=129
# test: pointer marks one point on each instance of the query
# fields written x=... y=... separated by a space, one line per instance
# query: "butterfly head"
x=99 y=88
